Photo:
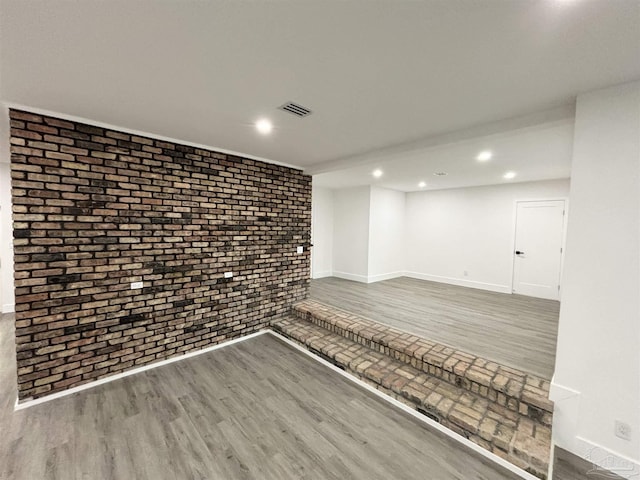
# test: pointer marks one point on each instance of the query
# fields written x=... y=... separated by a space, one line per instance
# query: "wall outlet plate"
x=300 y=249
x=137 y=285
x=228 y=274
x=622 y=430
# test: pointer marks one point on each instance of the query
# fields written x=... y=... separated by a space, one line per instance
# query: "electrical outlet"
x=466 y=274
x=300 y=249
x=136 y=285
x=228 y=274
x=622 y=430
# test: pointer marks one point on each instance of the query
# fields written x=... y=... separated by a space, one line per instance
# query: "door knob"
x=518 y=252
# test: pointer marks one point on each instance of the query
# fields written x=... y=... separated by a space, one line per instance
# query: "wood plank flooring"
x=258 y=409
x=512 y=330
x=568 y=466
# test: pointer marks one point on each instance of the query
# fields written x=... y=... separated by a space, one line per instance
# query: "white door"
x=538 y=248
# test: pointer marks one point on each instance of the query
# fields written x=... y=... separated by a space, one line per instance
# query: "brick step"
x=510 y=435
x=513 y=389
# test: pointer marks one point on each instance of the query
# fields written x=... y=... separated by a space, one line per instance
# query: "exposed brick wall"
x=96 y=209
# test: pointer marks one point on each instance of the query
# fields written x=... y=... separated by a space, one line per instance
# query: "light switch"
x=300 y=249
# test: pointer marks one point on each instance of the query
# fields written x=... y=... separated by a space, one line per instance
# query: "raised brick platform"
x=501 y=409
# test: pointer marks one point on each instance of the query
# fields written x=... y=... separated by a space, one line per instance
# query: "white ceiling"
x=542 y=152
x=375 y=73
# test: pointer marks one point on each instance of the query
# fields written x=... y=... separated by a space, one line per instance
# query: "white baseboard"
x=384 y=276
x=605 y=460
x=460 y=282
x=8 y=308
x=117 y=376
x=565 y=425
x=322 y=274
x=351 y=276
x=413 y=412
x=364 y=278
x=565 y=415
x=560 y=393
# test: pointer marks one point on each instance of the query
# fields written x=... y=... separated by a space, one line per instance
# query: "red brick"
x=104 y=209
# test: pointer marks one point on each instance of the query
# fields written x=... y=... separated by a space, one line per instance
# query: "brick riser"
x=515 y=390
x=504 y=432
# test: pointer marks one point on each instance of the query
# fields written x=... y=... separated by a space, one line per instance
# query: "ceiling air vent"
x=295 y=109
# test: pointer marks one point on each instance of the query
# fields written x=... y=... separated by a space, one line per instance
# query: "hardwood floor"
x=257 y=409
x=8 y=381
x=512 y=330
x=567 y=466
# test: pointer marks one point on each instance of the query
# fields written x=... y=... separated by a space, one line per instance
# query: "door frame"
x=564 y=233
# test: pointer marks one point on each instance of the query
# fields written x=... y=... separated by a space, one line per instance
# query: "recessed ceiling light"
x=422 y=184
x=377 y=173
x=264 y=126
x=509 y=175
x=484 y=156
x=441 y=174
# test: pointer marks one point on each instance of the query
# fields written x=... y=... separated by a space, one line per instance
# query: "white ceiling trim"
x=538 y=152
x=73 y=118
x=560 y=114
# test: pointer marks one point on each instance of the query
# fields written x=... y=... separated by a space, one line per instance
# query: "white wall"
x=358 y=233
x=450 y=232
x=597 y=377
x=386 y=234
x=321 y=232
x=6 y=227
x=351 y=233
x=437 y=235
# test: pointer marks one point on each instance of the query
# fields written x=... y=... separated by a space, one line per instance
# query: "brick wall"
x=96 y=209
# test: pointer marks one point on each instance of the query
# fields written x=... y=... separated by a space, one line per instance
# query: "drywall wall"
x=386 y=234
x=438 y=235
x=321 y=232
x=450 y=232
x=98 y=210
x=6 y=240
x=358 y=233
x=351 y=233
x=6 y=243
x=597 y=376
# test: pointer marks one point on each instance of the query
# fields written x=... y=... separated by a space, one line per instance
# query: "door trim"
x=564 y=233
